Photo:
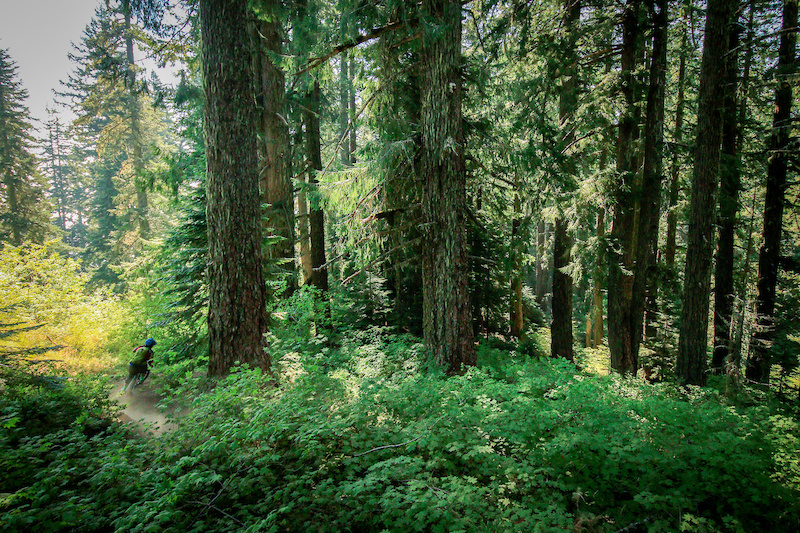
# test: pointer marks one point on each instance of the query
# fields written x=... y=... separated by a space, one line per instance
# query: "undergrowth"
x=365 y=435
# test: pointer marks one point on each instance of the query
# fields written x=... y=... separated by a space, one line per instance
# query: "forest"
x=418 y=265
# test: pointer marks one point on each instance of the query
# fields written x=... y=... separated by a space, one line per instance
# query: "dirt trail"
x=141 y=408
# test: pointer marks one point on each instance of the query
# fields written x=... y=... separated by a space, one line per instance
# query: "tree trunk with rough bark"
x=447 y=320
x=561 y=325
x=316 y=218
x=730 y=184
x=273 y=146
x=237 y=317
x=623 y=325
x=758 y=365
x=693 y=341
x=645 y=283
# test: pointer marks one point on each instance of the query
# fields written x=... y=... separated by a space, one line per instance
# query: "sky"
x=37 y=35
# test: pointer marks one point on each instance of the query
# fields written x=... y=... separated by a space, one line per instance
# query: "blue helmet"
x=150 y=343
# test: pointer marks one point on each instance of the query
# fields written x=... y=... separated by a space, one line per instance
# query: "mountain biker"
x=139 y=366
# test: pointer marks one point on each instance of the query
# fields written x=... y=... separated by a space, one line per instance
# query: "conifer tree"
x=56 y=169
x=447 y=321
x=23 y=211
x=730 y=185
x=319 y=276
x=561 y=327
x=276 y=186
x=691 y=362
x=304 y=39
x=670 y=246
x=396 y=115
x=118 y=137
x=645 y=280
x=624 y=323
x=237 y=317
x=778 y=149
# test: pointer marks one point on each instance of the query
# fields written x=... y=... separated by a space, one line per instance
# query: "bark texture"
x=316 y=217
x=624 y=325
x=670 y=246
x=237 y=318
x=730 y=184
x=561 y=325
x=447 y=321
x=273 y=145
x=645 y=282
x=758 y=366
x=693 y=341
x=516 y=317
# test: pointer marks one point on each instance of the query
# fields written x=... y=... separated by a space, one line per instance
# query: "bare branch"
x=374 y=34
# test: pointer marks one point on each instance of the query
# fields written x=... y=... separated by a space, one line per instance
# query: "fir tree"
x=23 y=211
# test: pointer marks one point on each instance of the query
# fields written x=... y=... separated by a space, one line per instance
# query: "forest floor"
x=140 y=408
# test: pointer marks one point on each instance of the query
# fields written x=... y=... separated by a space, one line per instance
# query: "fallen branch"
x=388 y=446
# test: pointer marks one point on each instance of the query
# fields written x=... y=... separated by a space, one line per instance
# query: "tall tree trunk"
x=316 y=219
x=758 y=365
x=134 y=110
x=542 y=268
x=645 y=283
x=733 y=364
x=276 y=183
x=730 y=184
x=597 y=285
x=670 y=246
x=561 y=325
x=623 y=324
x=306 y=267
x=447 y=320
x=693 y=341
x=516 y=317
x=237 y=317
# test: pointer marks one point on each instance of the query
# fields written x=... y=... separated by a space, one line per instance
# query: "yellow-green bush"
x=45 y=309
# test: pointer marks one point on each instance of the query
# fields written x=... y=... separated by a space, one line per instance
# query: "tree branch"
x=374 y=34
x=388 y=446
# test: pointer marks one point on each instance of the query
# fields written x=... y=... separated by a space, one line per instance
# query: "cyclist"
x=140 y=365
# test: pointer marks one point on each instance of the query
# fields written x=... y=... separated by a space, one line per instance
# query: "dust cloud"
x=141 y=410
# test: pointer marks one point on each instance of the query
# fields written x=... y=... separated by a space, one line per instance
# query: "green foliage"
x=364 y=435
x=23 y=209
x=45 y=308
x=56 y=444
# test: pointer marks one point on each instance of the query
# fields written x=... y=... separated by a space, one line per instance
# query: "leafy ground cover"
x=363 y=435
